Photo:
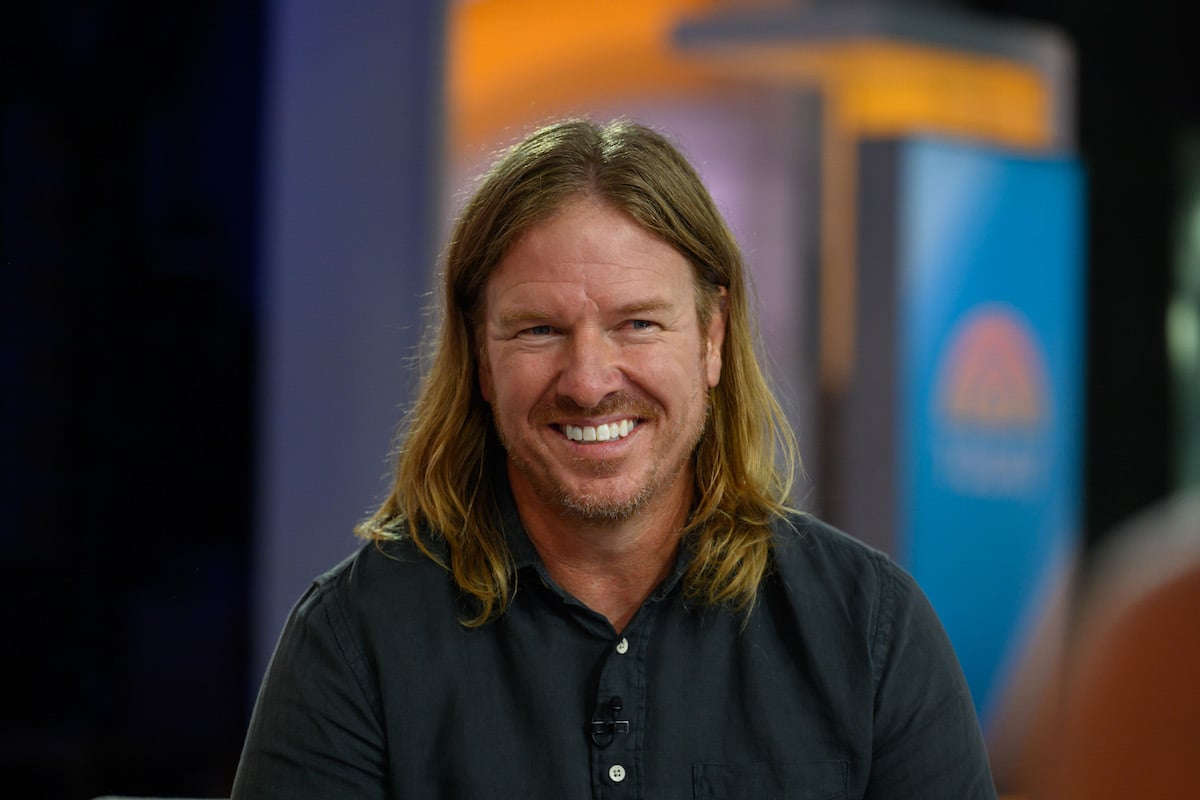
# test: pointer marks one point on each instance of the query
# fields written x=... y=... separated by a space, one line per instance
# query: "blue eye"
x=539 y=330
x=641 y=324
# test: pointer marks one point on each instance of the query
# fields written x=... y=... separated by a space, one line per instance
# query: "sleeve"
x=316 y=730
x=927 y=743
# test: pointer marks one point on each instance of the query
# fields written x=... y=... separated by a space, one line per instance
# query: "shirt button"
x=617 y=773
x=623 y=646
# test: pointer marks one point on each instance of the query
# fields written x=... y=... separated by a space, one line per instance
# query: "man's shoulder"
x=384 y=564
x=800 y=535
x=817 y=556
x=386 y=574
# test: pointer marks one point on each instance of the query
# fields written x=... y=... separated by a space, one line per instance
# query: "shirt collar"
x=523 y=553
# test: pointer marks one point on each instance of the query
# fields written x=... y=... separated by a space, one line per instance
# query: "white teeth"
x=606 y=432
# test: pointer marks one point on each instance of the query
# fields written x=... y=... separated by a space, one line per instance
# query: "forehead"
x=592 y=247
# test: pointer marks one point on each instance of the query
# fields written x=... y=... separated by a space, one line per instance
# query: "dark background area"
x=127 y=310
x=1136 y=99
x=129 y=164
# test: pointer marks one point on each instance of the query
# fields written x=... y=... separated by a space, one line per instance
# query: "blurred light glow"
x=1183 y=336
x=511 y=62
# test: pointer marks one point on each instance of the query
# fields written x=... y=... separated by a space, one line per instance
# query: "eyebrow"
x=643 y=307
x=528 y=316
x=511 y=318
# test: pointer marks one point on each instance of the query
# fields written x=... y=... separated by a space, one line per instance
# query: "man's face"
x=595 y=364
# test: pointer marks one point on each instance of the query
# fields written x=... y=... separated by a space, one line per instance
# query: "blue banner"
x=990 y=395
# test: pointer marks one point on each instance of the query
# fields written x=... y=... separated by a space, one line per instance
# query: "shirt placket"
x=616 y=729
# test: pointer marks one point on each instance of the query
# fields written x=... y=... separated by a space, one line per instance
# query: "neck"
x=610 y=565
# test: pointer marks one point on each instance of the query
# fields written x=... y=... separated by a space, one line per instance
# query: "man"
x=586 y=581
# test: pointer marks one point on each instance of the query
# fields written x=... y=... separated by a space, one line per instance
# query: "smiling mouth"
x=606 y=432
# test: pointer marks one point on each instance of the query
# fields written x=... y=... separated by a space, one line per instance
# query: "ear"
x=714 y=338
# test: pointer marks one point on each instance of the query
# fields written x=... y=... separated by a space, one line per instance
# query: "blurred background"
x=974 y=229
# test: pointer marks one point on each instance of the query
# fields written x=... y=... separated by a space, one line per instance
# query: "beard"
x=600 y=505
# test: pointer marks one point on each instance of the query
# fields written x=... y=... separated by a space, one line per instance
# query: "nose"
x=590 y=370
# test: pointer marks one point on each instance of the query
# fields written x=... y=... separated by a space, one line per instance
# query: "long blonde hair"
x=745 y=461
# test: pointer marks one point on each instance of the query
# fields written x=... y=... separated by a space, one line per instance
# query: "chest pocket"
x=812 y=780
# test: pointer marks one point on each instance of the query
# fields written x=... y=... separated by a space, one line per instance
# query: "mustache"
x=615 y=404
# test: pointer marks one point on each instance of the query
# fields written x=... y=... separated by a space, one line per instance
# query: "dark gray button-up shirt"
x=839 y=684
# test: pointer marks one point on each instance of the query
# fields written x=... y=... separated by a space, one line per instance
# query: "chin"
x=600 y=509
x=613 y=499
